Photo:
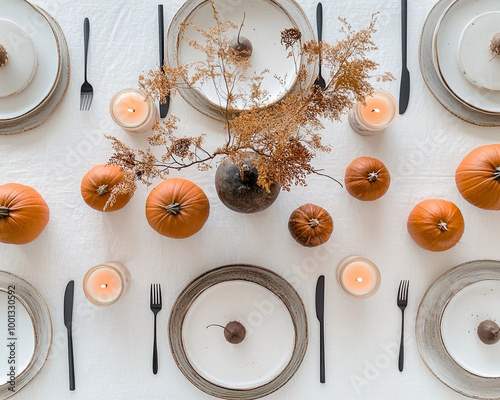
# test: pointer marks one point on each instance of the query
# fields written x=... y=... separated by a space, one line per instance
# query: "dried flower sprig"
x=283 y=134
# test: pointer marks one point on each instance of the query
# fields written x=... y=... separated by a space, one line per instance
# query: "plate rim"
x=222 y=274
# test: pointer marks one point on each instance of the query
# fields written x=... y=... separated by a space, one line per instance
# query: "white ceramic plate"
x=276 y=332
x=49 y=59
x=461 y=317
x=461 y=289
x=446 y=47
x=264 y=21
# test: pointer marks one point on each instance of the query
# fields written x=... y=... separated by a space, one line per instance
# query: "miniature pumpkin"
x=436 y=224
x=177 y=208
x=310 y=225
x=238 y=189
x=97 y=184
x=478 y=177
x=24 y=214
x=367 y=178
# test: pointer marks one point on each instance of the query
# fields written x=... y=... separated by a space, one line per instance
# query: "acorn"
x=234 y=332
x=489 y=332
x=495 y=44
x=3 y=56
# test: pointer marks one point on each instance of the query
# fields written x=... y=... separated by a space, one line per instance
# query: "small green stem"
x=174 y=208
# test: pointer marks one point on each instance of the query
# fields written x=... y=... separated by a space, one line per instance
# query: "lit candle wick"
x=376 y=110
x=104 y=285
x=359 y=279
x=130 y=110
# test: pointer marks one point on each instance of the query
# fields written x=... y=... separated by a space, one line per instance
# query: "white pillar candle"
x=358 y=276
x=104 y=284
x=377 y=113
x=133 y=112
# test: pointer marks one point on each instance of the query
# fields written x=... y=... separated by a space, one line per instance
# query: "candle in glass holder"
x=379 y=111
x=358 y=276
x=133 y=112
x=104 y=284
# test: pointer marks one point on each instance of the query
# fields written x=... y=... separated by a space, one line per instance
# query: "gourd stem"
x=4 y=57
x=313 y=222
x=496 y=174
x=372 y=177
x=442 y=226
x=102 y=190
x=4 y=212
x=246 y=173
x=173 y=208
x=220 y=326
x=241 y=26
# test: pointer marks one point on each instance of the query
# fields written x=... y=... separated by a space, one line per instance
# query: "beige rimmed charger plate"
x=28 y=333
x=432 y=334
x=264 y=21
x=276 y=324
x=433 y=80
x=38 y=116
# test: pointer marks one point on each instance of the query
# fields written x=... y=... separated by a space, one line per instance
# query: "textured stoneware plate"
x=264 y=21
x=39 y=115
x=276 y=327
x=465 y=311
x=48 y=51
x=430 y=328
x=27 y=334
x=459 y=18
x=433 y=79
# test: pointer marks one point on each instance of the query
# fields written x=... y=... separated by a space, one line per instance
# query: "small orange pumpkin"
x=478 y=177
x=97 y=184
x=310 y=225
x=24 y=214
x=436 y=224
x=367 y=178
x=177 y=208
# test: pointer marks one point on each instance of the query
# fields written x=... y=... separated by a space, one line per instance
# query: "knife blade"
x=164 y=103
x=404 y=90
x=68 y=322
x=320 y=314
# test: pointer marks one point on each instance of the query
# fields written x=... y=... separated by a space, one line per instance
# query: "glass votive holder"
x=379 y=112
x=133 y=112
x=106 y=283
x=358 y=276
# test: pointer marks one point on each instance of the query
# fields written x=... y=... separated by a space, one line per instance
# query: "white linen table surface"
x=113 y=345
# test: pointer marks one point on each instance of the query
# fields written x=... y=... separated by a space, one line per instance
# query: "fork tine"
x=151 y=295
x=159 y=294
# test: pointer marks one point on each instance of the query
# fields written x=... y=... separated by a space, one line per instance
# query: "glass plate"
x=27 y=334
x=276 y=327
x=264 y=21
x=430 y=329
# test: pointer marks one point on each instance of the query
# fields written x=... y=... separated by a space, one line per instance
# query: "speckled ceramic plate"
x=264 y=21
x=458 y=290
x=27 y=335
x=276 y=332
x=434 y=81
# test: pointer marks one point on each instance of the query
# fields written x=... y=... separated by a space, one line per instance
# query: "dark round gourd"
x=238 y=189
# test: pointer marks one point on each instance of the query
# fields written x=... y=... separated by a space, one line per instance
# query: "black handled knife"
x=68 y=322
x=320 y=314
x=404 y=90
x=164 y=103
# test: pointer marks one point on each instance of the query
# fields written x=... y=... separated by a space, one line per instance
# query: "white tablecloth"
x=113 y=345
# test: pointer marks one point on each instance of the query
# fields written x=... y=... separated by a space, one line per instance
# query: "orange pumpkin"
x=310 y=225
x=367 y=178
x=478 y=177
x=177 y=208
x=24 y=214
x=97 y=184
x=436 y=224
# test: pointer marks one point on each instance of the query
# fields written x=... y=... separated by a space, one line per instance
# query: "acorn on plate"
x=495 y=44
x=3 y=56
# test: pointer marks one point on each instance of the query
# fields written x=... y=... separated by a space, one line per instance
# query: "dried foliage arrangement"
x=285 y=134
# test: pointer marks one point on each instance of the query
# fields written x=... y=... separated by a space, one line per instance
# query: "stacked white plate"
x=456 y=61
x=36 y=75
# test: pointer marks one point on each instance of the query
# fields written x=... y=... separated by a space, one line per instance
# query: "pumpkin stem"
x=442 y=226
x=496 y=174
x=4 y=212
x=102 y=190
x=313 y=222
x=174 y=208
x=372 y=176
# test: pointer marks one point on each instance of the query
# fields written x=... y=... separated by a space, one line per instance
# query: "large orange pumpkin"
x=367 y=178
x=436 y=224
x=478 y=177
x=24 y=214
x=310 y=225
x=97 y=184
x=177 y=208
